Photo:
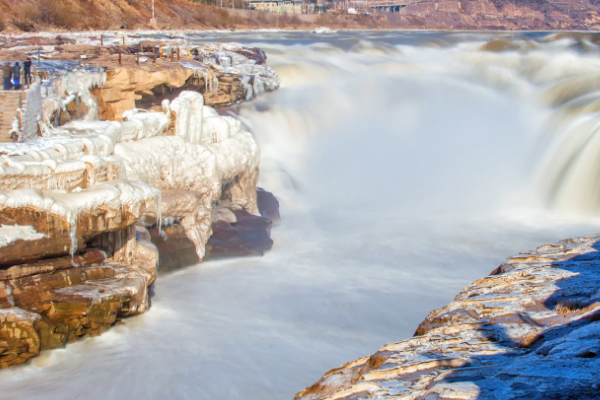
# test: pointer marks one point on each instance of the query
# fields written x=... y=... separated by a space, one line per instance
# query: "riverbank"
x=528 y=330
x=101 y=156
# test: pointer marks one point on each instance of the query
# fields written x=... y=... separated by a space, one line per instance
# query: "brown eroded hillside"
x=502 y=14
x=37 y=15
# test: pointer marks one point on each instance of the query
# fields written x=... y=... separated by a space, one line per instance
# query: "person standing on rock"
x=16 y=76
x=27 y=72
x=6 y=74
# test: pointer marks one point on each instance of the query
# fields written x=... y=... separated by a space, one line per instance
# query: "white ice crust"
x=10 y=234
x=124 y=165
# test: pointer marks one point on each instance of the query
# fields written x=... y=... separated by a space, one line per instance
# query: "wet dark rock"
x=268 y=205
x=249 y=235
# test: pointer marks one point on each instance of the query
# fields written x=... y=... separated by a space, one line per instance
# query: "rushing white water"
x=407 y=165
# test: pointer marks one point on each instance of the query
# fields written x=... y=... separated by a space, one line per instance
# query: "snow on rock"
x=71 y=247
x=10 y=234
x=529 y=330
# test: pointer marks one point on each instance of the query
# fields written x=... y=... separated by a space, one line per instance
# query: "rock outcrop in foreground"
x=529 y=330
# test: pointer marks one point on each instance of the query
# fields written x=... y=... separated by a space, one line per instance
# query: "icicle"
x=158 y=210
x=73 y=231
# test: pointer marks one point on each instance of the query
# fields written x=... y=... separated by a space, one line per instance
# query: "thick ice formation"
x=111 y=165
x=77 y=193
x=30 y=116
x=230 y=58
x=66 y=81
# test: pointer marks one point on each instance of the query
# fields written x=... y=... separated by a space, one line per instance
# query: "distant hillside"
x=32 y=15
x=502 y=14
x=36 y=15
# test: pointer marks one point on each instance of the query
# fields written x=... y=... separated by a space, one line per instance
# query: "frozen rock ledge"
x=75 y=252
x=529 y=330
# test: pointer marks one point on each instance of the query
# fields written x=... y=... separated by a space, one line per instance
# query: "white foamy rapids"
x=407 y=166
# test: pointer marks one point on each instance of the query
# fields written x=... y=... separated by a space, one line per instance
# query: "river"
x=407 y=165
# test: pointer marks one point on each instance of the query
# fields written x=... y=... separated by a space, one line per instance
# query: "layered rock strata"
x=52 y=302
x=528 y=330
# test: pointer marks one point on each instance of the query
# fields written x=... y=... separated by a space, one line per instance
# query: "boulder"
x=235 y=233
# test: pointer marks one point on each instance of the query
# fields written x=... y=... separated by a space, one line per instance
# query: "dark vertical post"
x=119 y=56
x=101 y=40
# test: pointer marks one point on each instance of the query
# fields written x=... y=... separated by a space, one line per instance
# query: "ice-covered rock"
x=89 y=153
x=72 y=259
x=234 y=231
x=99 y=154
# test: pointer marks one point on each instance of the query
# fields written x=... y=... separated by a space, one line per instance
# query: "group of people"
x=12 y=75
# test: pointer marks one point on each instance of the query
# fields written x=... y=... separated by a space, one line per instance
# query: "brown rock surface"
x=63 y=232
x=130 y=86
x=52 y=302
x=19 y=339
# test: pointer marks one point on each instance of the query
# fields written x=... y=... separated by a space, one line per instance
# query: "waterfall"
x=407 y=164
